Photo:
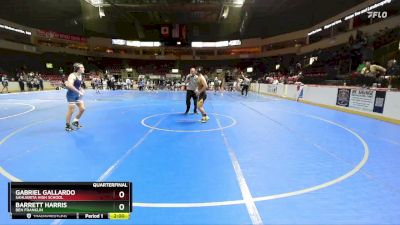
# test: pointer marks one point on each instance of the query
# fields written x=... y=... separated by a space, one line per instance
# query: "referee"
x=191 y=86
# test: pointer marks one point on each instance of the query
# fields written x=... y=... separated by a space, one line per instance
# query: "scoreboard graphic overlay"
x=70 y=200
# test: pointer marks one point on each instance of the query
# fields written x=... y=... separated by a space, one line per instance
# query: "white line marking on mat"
x=244 y=188
x=18 y=114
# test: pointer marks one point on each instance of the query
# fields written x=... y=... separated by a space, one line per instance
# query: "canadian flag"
x=165 y=31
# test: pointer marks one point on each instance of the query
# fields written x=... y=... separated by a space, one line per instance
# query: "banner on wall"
x=57 y=35
x=343 y=97
x=379 y=101
x=173 y=75
x=361 y=99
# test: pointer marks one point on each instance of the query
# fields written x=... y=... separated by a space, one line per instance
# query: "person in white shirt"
x=211 y=85
x=217 y=85
x=97 y=84
x=246 y=83
x=4 y=82
x=128 y=83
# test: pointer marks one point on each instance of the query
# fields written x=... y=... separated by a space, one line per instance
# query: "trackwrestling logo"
x=380 y=15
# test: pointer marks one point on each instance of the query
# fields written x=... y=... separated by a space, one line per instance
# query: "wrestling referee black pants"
x=191 y=94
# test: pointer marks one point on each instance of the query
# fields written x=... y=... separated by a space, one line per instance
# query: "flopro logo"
x=380 y=15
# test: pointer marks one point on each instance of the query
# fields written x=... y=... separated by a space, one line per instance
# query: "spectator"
x=29 y=83
x=63 y=81
x=4 y=82
x=93 y=82
x=21 y=82
x=141 y=85
x=36 y=83
x=128 y=84
x=393 y=68
x=246 y=83
x=361 y=67
x=373 y=70
x=40 y=83
x=393 y=72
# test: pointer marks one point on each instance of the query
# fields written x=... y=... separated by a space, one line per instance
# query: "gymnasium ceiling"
x=205 y=19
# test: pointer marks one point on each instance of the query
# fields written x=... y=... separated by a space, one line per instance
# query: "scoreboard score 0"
x=70 y=200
